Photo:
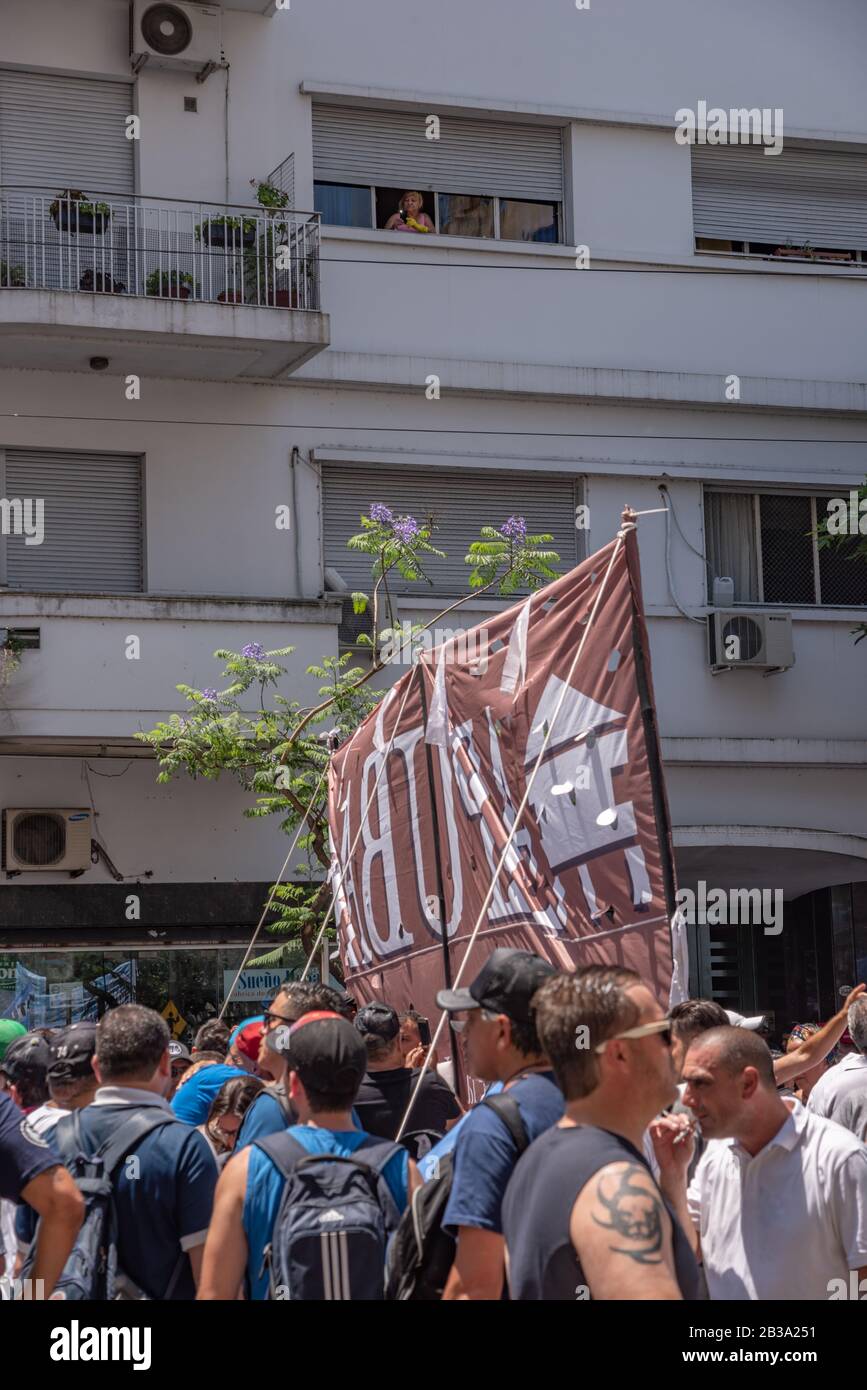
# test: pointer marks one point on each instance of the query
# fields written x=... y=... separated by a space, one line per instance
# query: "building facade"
x=604 y=314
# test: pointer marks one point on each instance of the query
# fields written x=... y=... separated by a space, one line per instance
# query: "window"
x=342 y=205
x=806 y=203
x=460 y=501
x=764 y=542
x=488 y=179
x=79 y=526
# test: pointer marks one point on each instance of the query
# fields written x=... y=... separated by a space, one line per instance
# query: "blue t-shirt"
x=265 y=1188
x=24 y=1154
x=192 y=1101
x=485 y=1154
x=265 y=1116
x=162 y=1202
x=429 y=1165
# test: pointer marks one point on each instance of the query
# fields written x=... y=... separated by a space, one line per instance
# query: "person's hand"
x=852 y=996
x=673 y=1138
x=416 y=1057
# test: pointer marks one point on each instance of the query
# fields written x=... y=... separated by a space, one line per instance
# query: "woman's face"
x=412 y=205
x=226 y=1129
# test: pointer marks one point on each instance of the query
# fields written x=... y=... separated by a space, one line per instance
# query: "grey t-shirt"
x=841 y=1095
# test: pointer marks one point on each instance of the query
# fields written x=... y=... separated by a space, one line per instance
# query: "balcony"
x=200 y=290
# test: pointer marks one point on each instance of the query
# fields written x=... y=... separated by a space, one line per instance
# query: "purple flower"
x=406 y=528
x=515 y=529
x=210 y=695
x=253 y=651
x=380 y=513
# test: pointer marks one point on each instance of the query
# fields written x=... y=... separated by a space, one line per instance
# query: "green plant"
x=268 y=195
x=10 y=660
x=165 y=282
x=232 y=224
x=274 y=751
x=11 y=276
x=79 y=201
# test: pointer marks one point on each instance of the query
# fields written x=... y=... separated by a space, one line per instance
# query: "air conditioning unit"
x=35 y=839
x=183 y=37
x=738 y=638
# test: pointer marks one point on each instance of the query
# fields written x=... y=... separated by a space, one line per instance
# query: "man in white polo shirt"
x=779 y=1200
x=841 y=1093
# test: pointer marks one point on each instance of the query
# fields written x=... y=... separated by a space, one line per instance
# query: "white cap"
x=739 y=1021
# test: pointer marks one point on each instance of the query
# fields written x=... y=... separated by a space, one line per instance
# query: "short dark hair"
x=595 y=998
x=737 y=1048
x=309 y=996
x=213 y=1036
x=130 y=1040
x=694 y=1016
x=323 y=1101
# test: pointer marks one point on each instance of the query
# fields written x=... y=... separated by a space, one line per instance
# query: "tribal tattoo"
x=635 y=1214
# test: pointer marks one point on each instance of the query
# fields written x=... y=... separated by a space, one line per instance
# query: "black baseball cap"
x=505 y=984
x=71 y=1050
x=378 y=1021
x=327 y=1052
x=27 y=1059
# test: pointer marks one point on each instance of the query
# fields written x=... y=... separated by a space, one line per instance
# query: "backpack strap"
x=508 y=1110
x=283 y=1151
x=277 y=1091
x=378 y=1152
x=133 y=1129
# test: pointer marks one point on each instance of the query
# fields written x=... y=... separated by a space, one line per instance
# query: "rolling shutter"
x=461 y=501
x=800 y=195
x=65 y=132
x=93 y=522
x=366 y=146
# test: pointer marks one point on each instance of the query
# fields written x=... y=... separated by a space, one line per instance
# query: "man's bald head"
x=733 y=1049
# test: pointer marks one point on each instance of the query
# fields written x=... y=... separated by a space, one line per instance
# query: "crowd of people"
x=318 y=1151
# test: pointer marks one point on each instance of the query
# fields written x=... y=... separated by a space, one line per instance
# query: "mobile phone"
x=424 y=1031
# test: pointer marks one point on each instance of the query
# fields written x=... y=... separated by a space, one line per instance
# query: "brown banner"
x=588 y=876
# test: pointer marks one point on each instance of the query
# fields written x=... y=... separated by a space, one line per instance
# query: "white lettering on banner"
x=379 y=849
x=344 y=889
x=594 y=821
x=406 y=744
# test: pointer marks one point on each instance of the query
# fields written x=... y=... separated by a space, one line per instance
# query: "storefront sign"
x=256 y=986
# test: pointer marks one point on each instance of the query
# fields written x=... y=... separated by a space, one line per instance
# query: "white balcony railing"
x=209 y=252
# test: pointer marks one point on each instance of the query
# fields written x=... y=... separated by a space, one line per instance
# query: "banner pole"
x=460 y=1088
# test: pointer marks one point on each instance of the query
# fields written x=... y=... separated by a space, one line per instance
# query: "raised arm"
x=813 y=1050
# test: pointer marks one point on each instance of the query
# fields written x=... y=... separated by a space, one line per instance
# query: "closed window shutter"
x=93 y=522
x=505 y=158
x=65 y=132
x=800 y=196
x=461 y=501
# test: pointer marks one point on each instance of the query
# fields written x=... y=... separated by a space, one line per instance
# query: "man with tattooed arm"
x=582 y=1216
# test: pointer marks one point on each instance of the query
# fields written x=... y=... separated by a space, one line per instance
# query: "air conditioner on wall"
x=738 y=638
x=183 y=37
x=37 y=839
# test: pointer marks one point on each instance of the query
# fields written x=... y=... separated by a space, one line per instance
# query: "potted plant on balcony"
x=72 y=211
x=232 y=231
x=230 y=297
x=170 y=284
x=11 y=277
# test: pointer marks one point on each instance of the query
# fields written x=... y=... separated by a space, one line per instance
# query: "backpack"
x=335 y=1218
x=422 y=1253
x=92 y=1270
x=277 y=1091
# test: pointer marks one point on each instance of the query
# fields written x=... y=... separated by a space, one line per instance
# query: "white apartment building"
x=606 y=311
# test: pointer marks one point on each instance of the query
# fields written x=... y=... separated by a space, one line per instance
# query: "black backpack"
x=334 y=1222
x=92 y=1270
x=422 y=1253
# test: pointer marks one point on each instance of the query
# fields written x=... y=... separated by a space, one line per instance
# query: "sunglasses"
x=644 y=1030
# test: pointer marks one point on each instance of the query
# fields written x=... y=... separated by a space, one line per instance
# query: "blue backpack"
x=92 y=1270
x=334 y=1222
